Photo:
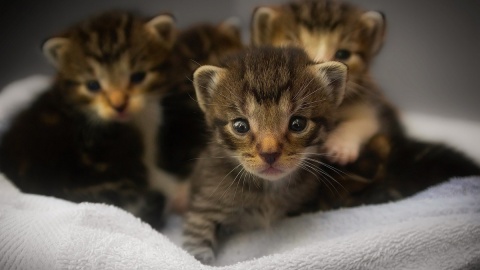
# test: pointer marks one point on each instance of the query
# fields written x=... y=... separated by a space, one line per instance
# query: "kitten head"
x=106 y=65
x=267 y=106
x=207 y=43
x=326 y=29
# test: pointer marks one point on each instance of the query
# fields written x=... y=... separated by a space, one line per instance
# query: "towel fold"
x=436 y=229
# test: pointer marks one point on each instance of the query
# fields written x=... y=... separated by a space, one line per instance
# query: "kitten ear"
x=261 y=25
x=231 y=27
x=54 y=49
x=375 y=25
x=205 y=80
x=163 y=26
x=335 y=75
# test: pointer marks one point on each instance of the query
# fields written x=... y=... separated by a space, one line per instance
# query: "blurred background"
x=429 y=64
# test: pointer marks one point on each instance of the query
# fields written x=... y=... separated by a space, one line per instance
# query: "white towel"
x=437 y=229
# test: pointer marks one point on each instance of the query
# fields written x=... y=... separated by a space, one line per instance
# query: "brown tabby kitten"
x=392 y=166
x=331 y=30
x=268 y=109
x=183 y=133
x=91 y=136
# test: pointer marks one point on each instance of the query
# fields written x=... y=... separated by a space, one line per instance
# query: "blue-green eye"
x=342 y=54
x=297 y=123
x=241 y=126
x=137 y=77
x=93 y=86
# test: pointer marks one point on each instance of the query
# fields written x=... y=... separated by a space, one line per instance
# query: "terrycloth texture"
x=437 y=229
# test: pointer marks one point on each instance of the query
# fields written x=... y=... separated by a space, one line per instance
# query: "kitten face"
x=109 y=63
x=269 y=106
x=327 y=30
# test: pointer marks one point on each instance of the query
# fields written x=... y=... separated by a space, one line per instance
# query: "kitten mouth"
x=122 y=117
x=272 y=171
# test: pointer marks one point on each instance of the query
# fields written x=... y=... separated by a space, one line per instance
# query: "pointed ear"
x=231 y=27
x=205 y=81
x=163 y=26
x=54 y=49
x=335 y=75
x=375 y=25
x=262 y=25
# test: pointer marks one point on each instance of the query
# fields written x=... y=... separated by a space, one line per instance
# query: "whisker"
x=223 y=180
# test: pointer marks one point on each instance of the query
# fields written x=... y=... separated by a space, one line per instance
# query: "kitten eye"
x=297 y=123
x=93 y=86
x=137 y=77
x=342 y=54
x=241 y=126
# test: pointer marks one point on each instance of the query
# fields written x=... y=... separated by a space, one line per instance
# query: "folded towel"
x=436 y=229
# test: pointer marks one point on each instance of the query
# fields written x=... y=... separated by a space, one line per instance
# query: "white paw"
x=341 y=150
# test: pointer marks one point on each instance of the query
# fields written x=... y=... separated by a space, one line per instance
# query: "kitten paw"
x=204 y=255
x=341 y=151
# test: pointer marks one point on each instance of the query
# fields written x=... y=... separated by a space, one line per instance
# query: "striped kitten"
x=91 y=136
x=331 y=30
x=268 y=109
x=392 y=166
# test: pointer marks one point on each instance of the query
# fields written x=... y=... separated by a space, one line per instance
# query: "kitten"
x=391 y=165
x=268 y=110
x=183 y=132
x=91 y=136
x=330 y=30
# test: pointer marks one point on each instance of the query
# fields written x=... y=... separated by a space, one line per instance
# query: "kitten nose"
x=270 y=158
x=118 y=100
x=121 y=108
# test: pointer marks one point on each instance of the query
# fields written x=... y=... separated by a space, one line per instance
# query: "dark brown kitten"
x=269 y=109
x=184 y=133
x=91 y=136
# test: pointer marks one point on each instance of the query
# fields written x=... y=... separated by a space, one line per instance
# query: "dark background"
x=430 y=62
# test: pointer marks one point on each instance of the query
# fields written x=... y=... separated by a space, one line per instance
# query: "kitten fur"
x=268 y=110
x=89 y=137
x=331 y=30
x=184 y=133
x=392 y=164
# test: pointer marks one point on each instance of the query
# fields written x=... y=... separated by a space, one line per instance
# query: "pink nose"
x=270 y=158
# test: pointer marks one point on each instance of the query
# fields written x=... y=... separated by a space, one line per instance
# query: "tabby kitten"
x=183 y=133
x=331 y=30
x=268 y=109
x=91 y=136
x=391 y=165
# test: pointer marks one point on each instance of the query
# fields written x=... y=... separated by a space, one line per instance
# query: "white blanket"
x=437 y=229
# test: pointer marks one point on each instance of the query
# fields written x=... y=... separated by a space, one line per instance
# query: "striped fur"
x=91 y=136
x=254 y=178
x=333 y=30
x=390 y=165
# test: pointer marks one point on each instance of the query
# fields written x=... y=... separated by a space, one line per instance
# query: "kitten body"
x=91 y=137
x=332 y=30
x=268 y=110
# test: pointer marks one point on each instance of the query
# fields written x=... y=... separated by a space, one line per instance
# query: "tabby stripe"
x=200 y=244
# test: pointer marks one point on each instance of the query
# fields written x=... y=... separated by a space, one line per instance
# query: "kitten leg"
x=200 y=228
x=359 y=125
x=148 y=122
